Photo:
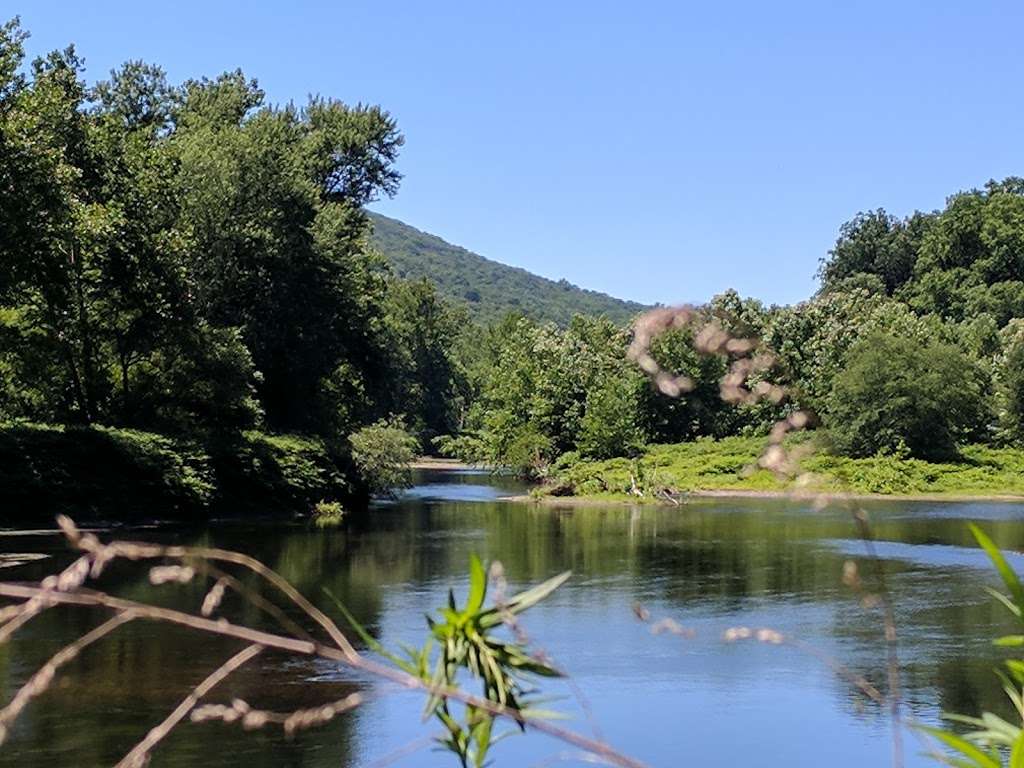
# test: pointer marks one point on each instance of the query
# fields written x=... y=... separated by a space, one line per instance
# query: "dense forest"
x=197 y=308
x=913 y=348
x=487 y=289
x=190 y=262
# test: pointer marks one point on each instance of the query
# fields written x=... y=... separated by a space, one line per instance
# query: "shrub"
x=115 y=473
x=328 y=514
x=897 y=392
x=382 y=453
x=526 y=453
x=277 y=472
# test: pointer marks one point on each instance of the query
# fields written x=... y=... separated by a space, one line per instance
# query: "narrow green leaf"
x=371 y=642
x=525 y=600
x=1004 y=600
x=1007 y=573
x=962 y=746
x=477 y=586
x=1017 y=753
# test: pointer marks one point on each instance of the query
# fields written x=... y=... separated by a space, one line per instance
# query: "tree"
x=698 y=412
x=429 y=383
x=1011 y=383
x=611 y=421
x=964 y=259
x=273 y=206
x=896 y=393
x=98 y=319
x=875 y=243
x=168 y=255
x=812 y=340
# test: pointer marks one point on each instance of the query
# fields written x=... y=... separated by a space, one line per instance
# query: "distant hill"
x=490 y=289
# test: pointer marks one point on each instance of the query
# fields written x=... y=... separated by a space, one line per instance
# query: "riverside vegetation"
x=910 y=359
x=189 y=289
x=191 y=317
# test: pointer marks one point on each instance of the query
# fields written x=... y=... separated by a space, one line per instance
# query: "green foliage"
x=193 y=261
x=956 y=263
x=730 y=464
x=328 y=514
x=545 y=391
x=425 y=332
x=702 y=464
x=875 y=244
x=1010 y=386
x=897 y=394
x=994 y=742
x=90 y=470
x=464 y=641
x=87 y=471
x=382 y=453
x=278 y=472
x=701 y=411
x=487 y=289
x=609 y=426
x=813 y=340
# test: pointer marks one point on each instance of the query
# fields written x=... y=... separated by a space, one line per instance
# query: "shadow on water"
x=710 y=565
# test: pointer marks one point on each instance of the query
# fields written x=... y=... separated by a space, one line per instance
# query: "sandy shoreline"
x=740 y=493
x=430 y=462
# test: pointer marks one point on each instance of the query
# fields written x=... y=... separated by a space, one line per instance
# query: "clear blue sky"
x=655 y=151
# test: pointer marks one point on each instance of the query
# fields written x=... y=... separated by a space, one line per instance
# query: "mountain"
x=490 y=289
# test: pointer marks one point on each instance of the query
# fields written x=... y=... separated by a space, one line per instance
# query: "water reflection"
x=710 y=564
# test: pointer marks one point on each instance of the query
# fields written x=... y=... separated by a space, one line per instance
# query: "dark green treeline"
x=192 y=261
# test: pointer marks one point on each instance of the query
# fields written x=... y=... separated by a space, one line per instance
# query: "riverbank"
x=619 y=500
x=670 y=474
x=127 y=475
x=448 y=465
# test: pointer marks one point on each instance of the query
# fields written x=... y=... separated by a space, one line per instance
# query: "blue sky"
x=655 y=151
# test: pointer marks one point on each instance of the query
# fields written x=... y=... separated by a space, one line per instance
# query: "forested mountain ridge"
x=489 y=288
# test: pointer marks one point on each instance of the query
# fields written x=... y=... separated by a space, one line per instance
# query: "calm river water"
x=667 y=700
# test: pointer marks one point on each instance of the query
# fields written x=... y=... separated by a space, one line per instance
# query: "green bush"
x=277 y=473
x=1011 y=389
x=382 y=453
x=113 y=473
x=328 y=514
x=125 y=474
x=731 y=464
x=896 y=393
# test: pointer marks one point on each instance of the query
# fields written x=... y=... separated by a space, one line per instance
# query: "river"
x=666 y=699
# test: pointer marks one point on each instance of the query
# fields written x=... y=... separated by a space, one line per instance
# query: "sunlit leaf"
x=370 y=640
x=964 y=747
x=525 y=600
x=1008 y=575
x=1006 y=601
x=477 y=586
x=1017 y=753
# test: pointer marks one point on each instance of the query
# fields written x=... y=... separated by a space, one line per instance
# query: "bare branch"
x=41 y=680
x=102 y=553
x=308 y=648
x=139 y=755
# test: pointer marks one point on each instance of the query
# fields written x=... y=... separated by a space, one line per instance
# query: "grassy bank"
x=103 y=473
x=730 y=465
